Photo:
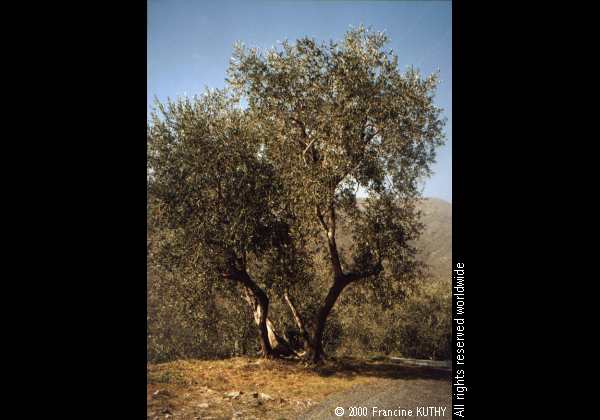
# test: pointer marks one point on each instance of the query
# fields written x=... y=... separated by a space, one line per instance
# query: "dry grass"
x=186 y=387
x=194 y=389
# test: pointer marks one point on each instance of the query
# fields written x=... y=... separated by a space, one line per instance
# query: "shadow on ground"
x=348 y=367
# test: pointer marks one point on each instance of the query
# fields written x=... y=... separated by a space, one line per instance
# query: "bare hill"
x=435 y=244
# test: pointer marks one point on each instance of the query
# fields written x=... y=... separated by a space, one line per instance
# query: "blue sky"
x=190 y=43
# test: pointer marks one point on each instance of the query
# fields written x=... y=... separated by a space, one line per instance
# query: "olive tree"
x=336 y=119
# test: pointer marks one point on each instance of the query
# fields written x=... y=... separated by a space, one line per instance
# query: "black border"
x=458 y=193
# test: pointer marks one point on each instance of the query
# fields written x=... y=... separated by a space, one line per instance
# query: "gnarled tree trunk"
x=340 y=281
x=259 y=303
x=316 y=351
x=269 y=338
x=256 y=298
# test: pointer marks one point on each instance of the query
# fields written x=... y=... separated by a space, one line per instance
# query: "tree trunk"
x=341 y=280
x=299 y=322
x=281 y=347
x=317 y=353
x=273 y=338
x=274 y=344
x=259 y=303
x=271 y=343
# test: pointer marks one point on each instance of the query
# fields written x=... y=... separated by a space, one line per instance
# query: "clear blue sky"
x=190 y=43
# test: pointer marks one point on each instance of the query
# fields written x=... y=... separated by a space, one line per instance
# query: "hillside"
x=435 y=244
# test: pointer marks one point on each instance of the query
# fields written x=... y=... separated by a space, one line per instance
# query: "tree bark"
x=336 y=289
x=257 y=299
x=340 y=281
x=281 y=346
x=259 y=303
x=278 y=345
x=299 y=322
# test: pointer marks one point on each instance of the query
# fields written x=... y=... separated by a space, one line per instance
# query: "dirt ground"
x=246 y=388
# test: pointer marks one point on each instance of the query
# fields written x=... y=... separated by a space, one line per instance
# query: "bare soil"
x=246 y=388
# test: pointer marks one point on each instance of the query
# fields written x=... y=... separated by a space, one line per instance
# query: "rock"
x=161 y=393
x=202 y=405
x=255 y=394
x=232 y=394
x=265 y=397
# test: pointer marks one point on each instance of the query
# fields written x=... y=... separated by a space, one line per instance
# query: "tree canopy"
x=255 y=194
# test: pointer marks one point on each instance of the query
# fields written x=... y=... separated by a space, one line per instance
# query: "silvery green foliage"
x=339 y=117
x=213 y=198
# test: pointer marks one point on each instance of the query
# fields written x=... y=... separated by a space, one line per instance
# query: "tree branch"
x=332 y=216
x=333 y=251
x=242 y=277
x=321 y=219
x=306 y=150
x=298 y=319
x=330 y=232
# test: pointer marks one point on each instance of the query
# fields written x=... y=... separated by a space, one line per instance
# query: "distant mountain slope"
x=435 y=244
